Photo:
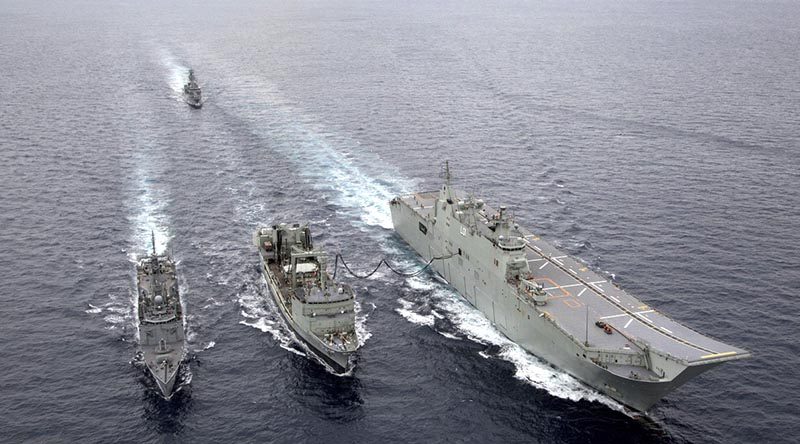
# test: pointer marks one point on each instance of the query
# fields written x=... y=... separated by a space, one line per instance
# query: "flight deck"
x=579 y=299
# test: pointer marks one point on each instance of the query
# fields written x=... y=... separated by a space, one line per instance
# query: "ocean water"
x=657 y=141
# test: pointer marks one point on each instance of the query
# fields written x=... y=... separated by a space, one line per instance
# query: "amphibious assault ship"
x=160 y=316
x=192 y=93
x=319 y=310
x=553 y=305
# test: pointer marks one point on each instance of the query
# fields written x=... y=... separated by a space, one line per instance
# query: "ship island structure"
x=553 y=305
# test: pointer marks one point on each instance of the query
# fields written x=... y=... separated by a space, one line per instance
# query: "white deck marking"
x=558 y=257
x=615 y=299
x=643 y=317
x=628 y=323
x=639 y=313
x=597 y=287
x=535 y=260
x=555 y=259
x=544 y=265
x=584 y=289
x=572 y=271
x=668 y=331
x=536 y=248
x=562 y=286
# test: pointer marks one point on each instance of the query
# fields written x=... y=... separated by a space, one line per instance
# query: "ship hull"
x=193 y=104
x=338 y=361
x=165 y=386
x=524 y=324
x=150 y=336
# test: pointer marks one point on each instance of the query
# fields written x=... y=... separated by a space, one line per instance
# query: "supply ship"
x=553 y=305
x=320 y=311
x=161 y=335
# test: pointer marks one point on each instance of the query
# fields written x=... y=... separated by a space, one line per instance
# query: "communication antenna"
x=445 y=173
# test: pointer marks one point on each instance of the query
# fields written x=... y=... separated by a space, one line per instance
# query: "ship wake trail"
x=528 y=368
x=260 y=312
x=149 y=218
x=324 y=159
x=116 y=310
x=148 y=200
x=148 y=221
x=361 y=322
x=176 y=73
x=471 y=323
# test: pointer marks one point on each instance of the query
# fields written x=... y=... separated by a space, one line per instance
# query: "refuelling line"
x=340 y=258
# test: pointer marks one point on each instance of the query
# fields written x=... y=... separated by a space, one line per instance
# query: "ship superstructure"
x=320 y=310
x=553 y=305
x=160 y=315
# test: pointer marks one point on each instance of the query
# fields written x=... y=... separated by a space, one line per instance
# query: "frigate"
x=160 y=315
x=319 y=310
x=192 y=93
x=552 y=305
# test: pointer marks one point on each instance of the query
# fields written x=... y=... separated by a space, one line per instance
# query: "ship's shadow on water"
x=333 y=397
x=166 y=415
x=580 y=421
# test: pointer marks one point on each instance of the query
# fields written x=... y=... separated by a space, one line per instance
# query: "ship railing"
x=159 y=320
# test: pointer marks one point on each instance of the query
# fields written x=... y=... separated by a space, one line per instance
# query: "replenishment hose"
x=383 y=261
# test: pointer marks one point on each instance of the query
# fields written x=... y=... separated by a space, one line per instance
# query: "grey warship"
x=160 y=315
x=192 y=93
x=553 y=305
x=319 y=310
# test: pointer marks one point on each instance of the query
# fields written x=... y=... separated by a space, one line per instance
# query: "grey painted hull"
x=335 y=359
x=194 y=104
x=150 y=336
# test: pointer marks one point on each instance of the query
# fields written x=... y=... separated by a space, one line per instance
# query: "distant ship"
x=161 y=335
x=552 y=305
x=319 y=310
x=192 y=93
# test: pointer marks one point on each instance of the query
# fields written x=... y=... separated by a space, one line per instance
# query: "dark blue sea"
x=658 y=141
